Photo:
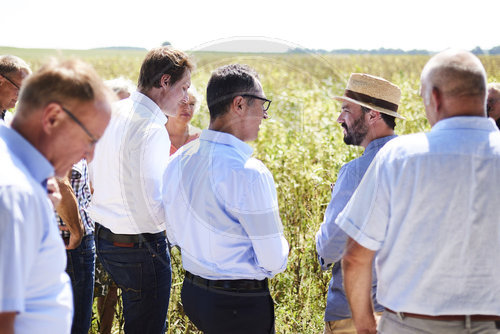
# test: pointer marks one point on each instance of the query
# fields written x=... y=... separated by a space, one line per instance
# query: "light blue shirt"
x=429 y=204
x=33 y=281
x=222 y=210
x=331 y=240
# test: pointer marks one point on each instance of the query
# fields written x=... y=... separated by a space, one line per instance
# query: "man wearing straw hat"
x=425 y=208
x=369 y=109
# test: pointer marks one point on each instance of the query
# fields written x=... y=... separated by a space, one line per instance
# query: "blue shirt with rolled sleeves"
x=222 y=210
x=331 y=240
x=428 y=206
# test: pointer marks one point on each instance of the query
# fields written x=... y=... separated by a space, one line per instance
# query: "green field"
x=301 y=144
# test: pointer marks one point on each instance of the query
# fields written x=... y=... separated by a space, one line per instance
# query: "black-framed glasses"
x=77 y=121
x=12 y=82
x=266 y=104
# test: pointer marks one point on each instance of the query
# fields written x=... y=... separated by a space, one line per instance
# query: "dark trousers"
x=142 y=270
x=80 y=269
x=217 y=311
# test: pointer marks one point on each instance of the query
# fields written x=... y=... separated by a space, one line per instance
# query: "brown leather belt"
x=229 y=285
x=473 y=317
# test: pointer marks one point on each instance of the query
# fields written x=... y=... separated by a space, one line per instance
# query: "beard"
x=357 y=132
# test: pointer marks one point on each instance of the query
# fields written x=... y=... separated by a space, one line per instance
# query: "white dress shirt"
x=222 y=210
x=429 y=204
x=127 y=169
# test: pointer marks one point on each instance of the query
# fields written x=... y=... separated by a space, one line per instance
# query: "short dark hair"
x=225 y=84
x=160 y=61
x=388 y=119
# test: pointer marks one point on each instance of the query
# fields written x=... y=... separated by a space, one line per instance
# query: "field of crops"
x=302 y=146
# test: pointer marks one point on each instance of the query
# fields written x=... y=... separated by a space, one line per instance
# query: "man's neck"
x=225 y=124
x=376 y=133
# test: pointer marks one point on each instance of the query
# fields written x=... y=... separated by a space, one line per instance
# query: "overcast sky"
x=330 y=24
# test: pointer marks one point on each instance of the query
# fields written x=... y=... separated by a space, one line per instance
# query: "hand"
x=53 y=191
x=74 y=240
x=367 y=325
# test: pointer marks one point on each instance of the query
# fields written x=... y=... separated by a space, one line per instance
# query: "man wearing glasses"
x=63 y=110
x=13 y=70
x=222 y=211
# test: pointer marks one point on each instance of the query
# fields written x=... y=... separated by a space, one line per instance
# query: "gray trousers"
x=391 y=323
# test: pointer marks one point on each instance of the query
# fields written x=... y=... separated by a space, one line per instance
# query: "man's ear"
x=165 y=80
x=437 y=98
x=373 y=116
x=51 y=117
x=238 y=105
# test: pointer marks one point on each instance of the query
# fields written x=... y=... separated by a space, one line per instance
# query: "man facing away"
x=63 y=110
x=222 y=211
x=127 y=179
x=13 y=70
x=369 y=109
x=425 y=206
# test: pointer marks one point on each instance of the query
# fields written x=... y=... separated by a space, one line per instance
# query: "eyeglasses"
x=77 y=121
x=12 y=82
x=266 y=104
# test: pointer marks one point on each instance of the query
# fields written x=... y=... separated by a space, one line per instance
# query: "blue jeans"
x=143 y=273
x=80 y=268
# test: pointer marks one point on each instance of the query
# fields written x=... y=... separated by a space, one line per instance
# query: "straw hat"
x=372 y=92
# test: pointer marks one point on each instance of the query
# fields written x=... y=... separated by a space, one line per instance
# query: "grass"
x=302 y=146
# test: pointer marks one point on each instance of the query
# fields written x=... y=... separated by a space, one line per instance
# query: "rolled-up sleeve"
x=258 y=214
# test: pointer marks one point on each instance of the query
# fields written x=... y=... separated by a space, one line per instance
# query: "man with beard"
x=369 y=109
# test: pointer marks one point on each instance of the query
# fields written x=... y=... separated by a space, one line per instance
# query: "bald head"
x=456 y=80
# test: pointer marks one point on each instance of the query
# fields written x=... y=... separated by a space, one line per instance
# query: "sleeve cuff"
x=356 y=234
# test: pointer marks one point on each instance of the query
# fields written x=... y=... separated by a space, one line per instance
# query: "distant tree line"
x=384 y=51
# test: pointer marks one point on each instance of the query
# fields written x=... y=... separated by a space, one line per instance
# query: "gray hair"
x=9 y=64
x=121 y=84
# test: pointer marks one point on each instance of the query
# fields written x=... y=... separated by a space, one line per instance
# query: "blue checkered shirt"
x=81 y=187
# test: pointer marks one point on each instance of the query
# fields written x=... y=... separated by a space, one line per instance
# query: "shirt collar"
x=36 y=164
x=466 y=122
x=376 y=144
x=138 y=97
x=227 y=139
